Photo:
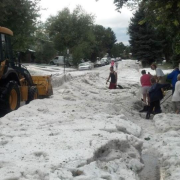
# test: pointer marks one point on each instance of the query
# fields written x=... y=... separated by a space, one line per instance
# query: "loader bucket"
x=44 y=85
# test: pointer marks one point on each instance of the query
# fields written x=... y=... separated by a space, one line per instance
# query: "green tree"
x=45 y=52
x=21 y=17
x=43 y=46
x=160 y=13
x=164 y=15
x=167 y=17
x=104 y=41
x=167 y=37
x=72 y=31
x=118 y=49
x=77 y=32
x=144 y=42
x=98 y=47
x=130 y=3
x=109 y=39
x=166 y=12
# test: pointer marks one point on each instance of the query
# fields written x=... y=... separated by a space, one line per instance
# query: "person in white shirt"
x=116 y=64
x=160 y=78
x=176 y=96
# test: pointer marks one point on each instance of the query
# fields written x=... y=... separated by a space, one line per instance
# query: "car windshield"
x=84 y=64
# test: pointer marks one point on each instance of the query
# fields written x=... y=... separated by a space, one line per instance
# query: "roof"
x=6 y=31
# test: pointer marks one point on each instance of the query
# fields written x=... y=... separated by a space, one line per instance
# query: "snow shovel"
x=166 y=99
x=119 y=87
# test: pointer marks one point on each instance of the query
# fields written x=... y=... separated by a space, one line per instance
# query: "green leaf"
x=142 y=22
x=178 y=4
x=176 y=23
x=169 y=6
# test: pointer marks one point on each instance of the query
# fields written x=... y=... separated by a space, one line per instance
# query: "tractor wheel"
x=11 y=96
x=32 y=94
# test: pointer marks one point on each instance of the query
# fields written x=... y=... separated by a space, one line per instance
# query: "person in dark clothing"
x=113 y=76
x=155 y=96
x=173 y=77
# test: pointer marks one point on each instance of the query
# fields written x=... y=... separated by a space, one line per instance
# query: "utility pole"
x=64 y=65
x=66 y=58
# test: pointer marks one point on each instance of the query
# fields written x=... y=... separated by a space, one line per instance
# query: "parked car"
x=137 y=61
x=58 y=60
x=97 y=63
x=118 y=59
x=85 y=66
x=92 y=64
x=105 y=61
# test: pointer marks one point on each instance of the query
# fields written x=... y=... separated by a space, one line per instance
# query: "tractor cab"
x=5 y=44
x=6 y=57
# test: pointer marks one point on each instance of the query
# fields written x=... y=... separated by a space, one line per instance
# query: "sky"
x=104 y=11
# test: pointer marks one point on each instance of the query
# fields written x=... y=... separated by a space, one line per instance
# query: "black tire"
x=32 y=94
x=52 y=63
x=10 y=97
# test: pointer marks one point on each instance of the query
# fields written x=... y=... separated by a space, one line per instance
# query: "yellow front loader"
x=16 y=83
